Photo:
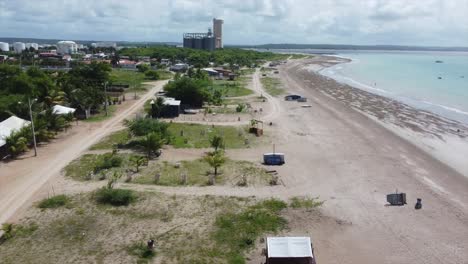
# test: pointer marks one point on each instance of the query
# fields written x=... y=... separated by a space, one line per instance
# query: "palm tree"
x=137 y=161
x=215 y=159
x=217 y=142
x=152 y=142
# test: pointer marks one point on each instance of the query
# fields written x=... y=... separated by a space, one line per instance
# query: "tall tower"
x=218 y=32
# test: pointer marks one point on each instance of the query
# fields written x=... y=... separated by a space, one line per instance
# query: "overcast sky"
x=405 y=22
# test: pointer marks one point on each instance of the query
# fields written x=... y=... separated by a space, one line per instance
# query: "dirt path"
x=20 y=179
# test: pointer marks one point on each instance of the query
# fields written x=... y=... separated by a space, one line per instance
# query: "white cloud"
x=429 y=22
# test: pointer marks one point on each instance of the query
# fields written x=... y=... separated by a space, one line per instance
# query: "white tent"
x=62 y=110
x=7 y=127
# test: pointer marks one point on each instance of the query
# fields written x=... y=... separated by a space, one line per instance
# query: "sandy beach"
x=350 y=148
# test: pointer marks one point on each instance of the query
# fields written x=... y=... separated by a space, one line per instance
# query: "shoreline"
x=442 y=110
x=441 y=137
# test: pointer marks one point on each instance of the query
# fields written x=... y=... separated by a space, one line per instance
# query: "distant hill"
x=86 y=42
x=351 y=47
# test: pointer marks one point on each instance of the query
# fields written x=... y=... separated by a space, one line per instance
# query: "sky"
x=249 y=22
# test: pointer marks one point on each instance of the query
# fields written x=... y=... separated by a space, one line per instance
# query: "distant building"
x=19 y=47
x=4 y=46
x=204 y=41
x=66 y=47
x=105 y=44
x=218 y=32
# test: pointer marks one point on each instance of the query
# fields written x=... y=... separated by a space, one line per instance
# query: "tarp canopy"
x=289 y=247
x=62 y=110
x=7 y=127
x=210 y=70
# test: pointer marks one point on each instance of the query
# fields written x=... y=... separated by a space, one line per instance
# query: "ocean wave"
x=449 y=108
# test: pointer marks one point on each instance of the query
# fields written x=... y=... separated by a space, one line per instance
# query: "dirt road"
x=20 y=179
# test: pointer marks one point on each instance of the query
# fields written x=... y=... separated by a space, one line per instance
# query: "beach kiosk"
x=287 y=250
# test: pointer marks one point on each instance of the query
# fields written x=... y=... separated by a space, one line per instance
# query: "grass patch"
x=102 y=114
x=115 y=139
x=237 y=232
x=197 y=172
x=198 y=136
x=231 y=88
x=133 y=78
x=165 y=75
x=115 y=197
x=89 y=166
x=305 y=202
x=140 y=250
x=272 y=86
x=14 y=230
x=54 y=202
x=201 y=229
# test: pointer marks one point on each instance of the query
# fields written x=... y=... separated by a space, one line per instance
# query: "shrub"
x=142 y=127
x=152 y=75
x=116 y=197
x=54 y=201
x=107 y=161
x=240 y=108
x=141 y=251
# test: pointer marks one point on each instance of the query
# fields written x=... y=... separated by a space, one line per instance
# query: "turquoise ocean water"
x=410 y=77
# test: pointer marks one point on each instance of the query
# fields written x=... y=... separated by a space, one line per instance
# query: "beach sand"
x=346 y=149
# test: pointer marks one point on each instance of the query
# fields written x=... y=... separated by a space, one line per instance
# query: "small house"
x=211 y=72
x=287 y=250
x=171 y=108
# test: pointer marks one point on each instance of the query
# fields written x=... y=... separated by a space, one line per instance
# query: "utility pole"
x=105 y=96
x=32 y=126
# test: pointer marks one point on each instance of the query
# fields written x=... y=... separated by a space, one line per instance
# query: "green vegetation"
x=193 y=92
x=201 y=58
x=197 y=172
x=237 y=232
x=230 y=88
x=13 y=230
x=102 y=115
x=305 y=202
x=115 y=197
x=90 y=165
x=54 y=202
x=118 y=138
x=82 y=87
x=142 y=127
x=198 y=136
x=133 y=78
x=215 y=159
x=141 y=251
x=187 y=229
x=272 y=86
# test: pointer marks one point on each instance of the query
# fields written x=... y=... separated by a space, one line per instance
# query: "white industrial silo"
x=4 y=46
x=19 y=47
x=66 y=47
x=32 y=45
